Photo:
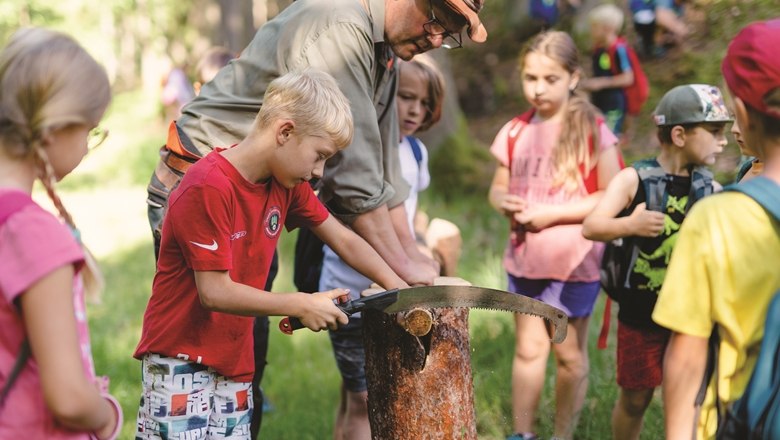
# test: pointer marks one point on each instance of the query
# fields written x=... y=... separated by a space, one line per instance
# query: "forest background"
x=138 y=40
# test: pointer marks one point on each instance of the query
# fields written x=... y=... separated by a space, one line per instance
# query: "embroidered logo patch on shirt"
x=273 y=222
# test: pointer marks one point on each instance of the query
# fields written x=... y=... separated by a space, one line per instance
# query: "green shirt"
x=339 y=37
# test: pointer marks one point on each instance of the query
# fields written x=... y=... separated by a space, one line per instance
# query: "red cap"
x=469 y=9
x=752 y=64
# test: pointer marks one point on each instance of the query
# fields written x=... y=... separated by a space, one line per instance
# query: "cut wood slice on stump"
x=420 y=387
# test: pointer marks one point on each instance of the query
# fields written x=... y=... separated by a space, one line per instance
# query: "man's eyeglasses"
x=96 y=137
x=435 y=28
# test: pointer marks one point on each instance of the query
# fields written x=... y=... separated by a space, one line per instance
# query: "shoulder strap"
x=416 y=150
x=12 y=203
x=764 y=191
x=762 y=387
x=653 y=179
x=612 y=52
x=710 y=370
x=518 y=123
x=21 y=359
x=701 y=186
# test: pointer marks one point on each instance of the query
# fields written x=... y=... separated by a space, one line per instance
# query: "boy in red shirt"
x=218 y=239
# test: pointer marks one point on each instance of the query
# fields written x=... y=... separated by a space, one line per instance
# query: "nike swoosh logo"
x=211 y=247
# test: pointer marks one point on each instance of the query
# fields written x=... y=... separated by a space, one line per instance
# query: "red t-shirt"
x=217 y=220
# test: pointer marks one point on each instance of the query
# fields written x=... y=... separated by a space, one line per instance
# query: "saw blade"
x=480 y=298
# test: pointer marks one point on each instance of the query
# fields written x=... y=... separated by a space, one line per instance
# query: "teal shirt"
x=344 y=39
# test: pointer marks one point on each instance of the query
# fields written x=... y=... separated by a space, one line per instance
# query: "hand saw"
x=431 y=297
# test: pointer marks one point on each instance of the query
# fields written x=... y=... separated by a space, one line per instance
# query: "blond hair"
x=580 y=132
x=426 y=67
x=48 y=82
x=608 y=15
x=313 y=100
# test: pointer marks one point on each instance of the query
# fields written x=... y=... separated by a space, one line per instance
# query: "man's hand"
x=416 y=274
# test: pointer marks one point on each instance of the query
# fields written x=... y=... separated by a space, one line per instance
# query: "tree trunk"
x=236 y=24
x=420 y=387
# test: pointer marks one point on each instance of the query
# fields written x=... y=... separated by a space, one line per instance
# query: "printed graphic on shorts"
x=273 y=222
x=185 y=400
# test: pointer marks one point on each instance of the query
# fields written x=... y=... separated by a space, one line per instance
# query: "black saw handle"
x=380 y=301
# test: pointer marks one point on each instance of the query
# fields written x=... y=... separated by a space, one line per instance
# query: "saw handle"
x=379 y=301
x=289 y=324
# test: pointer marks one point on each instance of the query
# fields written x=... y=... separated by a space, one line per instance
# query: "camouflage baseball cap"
x=691 y=104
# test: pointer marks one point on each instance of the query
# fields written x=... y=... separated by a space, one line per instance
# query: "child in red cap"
x=723 y=272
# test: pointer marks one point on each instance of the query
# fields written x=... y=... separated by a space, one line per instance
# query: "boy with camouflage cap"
x=644 y=205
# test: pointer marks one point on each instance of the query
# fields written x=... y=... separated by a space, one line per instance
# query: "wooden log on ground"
x=420 y=387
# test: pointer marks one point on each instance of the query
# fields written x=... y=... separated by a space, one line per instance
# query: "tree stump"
x=420 y=387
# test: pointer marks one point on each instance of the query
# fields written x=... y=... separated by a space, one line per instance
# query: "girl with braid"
x=52 y=96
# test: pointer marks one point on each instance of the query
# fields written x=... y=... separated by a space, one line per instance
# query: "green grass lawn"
x=301 y=380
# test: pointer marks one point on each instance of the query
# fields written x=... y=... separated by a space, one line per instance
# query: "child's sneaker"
x=523 y=436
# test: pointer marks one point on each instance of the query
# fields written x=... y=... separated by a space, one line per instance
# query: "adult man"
x=356 y=41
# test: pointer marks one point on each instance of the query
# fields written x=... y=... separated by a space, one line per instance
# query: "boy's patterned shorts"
x=187 y=400
x=640 y=356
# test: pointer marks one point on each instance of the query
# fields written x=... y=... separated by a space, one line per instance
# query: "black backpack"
x=620 y=254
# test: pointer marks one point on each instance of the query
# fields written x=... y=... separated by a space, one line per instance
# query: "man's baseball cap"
x=691 y=104
x=751 y=66
x=469 y=9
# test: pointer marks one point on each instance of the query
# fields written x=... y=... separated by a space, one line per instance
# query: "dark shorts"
x=350 y=356
x=640 y=356
x=576 y=299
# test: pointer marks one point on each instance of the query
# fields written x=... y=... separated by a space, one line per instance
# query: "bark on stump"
x=420 y=387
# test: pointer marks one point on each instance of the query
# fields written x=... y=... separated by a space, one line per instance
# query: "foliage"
x=16 y=14
x=129 y=154
x=460 y=166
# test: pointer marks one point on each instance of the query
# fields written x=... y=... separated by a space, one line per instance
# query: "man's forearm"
x=376 y=227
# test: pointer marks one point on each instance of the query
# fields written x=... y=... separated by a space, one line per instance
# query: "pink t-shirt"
x=217 y=220
x=559 y=252
x=33 y=243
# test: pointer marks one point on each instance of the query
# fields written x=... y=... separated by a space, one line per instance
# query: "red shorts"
x=640 y=356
